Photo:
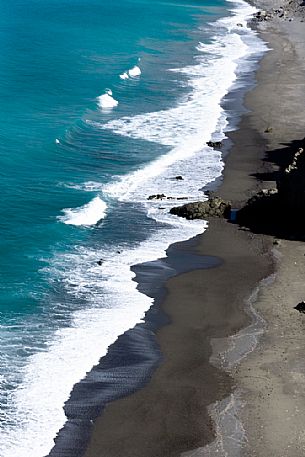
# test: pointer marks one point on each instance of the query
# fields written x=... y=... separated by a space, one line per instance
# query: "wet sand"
x=170 y=416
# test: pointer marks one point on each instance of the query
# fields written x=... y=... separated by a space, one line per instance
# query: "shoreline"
x=186 y=383
x=155 y=408
x=123 y=370
x=176 y=412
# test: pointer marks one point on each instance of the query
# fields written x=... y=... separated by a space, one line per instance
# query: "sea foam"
x=116 y=305
x=124 y=75
x=106 y=100
x=185 y=128
x=89 y=214
x=131 y=73
x=134 y=71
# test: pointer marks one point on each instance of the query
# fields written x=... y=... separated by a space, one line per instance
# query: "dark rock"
x=291 y=186
x=258 y=208
x=214 y=207
x=100 y=262
x=214 y=144
x=156 y=197
x=279 y=212
x=300 y=307
x=268 y=130
x=164 y=197
x=261 y=16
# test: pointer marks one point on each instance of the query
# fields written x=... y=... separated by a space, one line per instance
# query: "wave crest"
x=88 y=214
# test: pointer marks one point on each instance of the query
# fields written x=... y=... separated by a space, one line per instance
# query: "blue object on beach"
x=233 y=215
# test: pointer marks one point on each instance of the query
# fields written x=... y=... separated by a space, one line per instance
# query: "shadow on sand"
x=279 y=211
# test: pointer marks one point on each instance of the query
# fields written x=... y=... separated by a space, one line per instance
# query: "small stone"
x=268 y=130
x=214 y=144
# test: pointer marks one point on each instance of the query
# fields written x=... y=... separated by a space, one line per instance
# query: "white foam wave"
x=124 y=75
x=131 y=73
x=240 y=14
x=88 y=214
x=106 y=100
x=195 y=118
x=39 y=402
x=89 y=186
x=134 y=71
x=185 y=128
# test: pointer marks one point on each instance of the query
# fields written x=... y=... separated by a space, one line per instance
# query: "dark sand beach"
x=173 y=414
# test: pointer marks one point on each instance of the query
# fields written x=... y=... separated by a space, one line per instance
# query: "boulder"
x=214 y=207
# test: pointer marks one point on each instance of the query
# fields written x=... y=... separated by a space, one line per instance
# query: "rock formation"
x=279 y=211
x=214 y=207
x=291 y=186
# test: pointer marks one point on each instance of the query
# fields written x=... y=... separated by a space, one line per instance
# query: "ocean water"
x=102 y=104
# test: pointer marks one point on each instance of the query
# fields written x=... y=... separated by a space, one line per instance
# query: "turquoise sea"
x=102 y=104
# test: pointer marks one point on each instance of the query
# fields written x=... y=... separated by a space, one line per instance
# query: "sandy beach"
x=181 y=411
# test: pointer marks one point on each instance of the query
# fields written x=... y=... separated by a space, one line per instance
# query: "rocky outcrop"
x=279 y=211
x=214 y=207
x=260 y=197
x=263 y=15
x=259 y=208
x=291 y=186
x=287 y=12
x=164 y=197
x=276 y=211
